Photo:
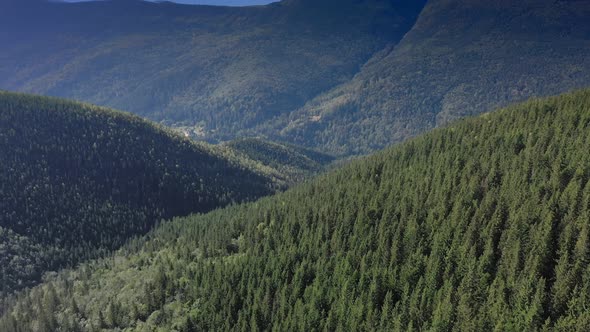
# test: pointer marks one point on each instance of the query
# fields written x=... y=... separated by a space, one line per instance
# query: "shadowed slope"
x=76 y=180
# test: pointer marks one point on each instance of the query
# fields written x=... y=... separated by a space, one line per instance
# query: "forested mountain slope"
x=217 y=70
x=480 y=226
x=76 y=180
x=293 y=162
x=461 y=57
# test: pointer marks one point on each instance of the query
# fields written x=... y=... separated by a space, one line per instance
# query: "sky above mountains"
x=213 y=2
x=226 y=2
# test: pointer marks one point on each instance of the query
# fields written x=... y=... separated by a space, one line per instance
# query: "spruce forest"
x=479 y=226
x=294 y=165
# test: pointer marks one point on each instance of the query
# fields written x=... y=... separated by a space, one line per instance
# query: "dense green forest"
x=218 y=70
x=461 y=58
x=481 y=226
x=77 y=180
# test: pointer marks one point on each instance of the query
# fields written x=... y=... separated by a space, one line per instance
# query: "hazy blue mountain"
x=347 y=77
x=219 y=70
x=461 y=57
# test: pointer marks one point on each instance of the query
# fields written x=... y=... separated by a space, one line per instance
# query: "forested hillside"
x=217 y=70
x=77 y=180
x=292 y=162
x=480 y=226
x=462 y=57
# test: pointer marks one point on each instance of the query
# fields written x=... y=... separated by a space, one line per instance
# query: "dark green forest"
x=480 y=226
x=77 y=181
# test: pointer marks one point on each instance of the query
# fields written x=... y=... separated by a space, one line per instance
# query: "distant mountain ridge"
x=222 y=70
x=346 y=77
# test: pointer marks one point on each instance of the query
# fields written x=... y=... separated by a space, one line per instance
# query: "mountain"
x=461 y=57
x=293 y=162
x=347 y=77
x=476 y=227
x=78 y=180
x=219 y=70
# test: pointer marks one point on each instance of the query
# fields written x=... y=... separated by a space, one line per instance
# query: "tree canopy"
x=77 y=180
x=483 y=225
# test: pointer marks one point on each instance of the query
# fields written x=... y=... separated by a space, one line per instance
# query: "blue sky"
x=215 y=2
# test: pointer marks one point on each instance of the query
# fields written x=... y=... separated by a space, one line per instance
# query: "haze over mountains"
x=222 y=70
x=326 y=74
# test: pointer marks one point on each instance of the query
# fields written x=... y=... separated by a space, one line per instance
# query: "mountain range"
x=219 y=70
x=347 y=77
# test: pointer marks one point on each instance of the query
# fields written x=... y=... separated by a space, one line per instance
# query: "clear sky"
x=214 y=2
